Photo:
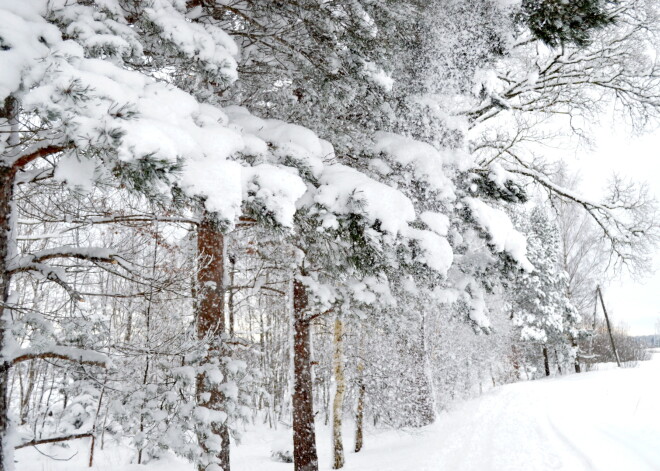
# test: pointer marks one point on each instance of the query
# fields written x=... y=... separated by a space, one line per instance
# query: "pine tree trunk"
x=338 y=402
x=359 y=414
x=546 y=361
x=210 y=302
x=6 y=196
x=304 y=435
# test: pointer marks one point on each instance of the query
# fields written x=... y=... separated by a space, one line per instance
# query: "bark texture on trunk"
x=338 y=402
x=210 y=302
x=304 y=436
x=7 y=175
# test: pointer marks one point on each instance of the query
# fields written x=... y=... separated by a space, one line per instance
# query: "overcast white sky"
x=635 y=302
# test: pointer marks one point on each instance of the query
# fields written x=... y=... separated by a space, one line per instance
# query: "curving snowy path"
x=600 y=421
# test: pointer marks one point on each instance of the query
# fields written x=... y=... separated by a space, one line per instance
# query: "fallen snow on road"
x=603 y=420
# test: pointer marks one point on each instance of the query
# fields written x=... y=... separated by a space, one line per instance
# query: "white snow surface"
x=605 y=420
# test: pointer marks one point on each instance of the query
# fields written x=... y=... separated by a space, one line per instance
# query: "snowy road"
x=608 y=420
x=605 y=420
x=599 y=421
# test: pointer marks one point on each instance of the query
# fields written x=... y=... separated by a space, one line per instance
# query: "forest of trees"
x=285 y=212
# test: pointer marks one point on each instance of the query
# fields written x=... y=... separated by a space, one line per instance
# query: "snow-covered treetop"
x=110 y=91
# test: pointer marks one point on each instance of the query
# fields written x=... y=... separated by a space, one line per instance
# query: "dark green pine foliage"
x=562 y=22
x=509 y=191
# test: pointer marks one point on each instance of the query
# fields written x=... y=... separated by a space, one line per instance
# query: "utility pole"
x=599 y=294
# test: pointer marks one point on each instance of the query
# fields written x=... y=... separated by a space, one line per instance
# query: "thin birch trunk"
x=576 y=361
x=27 y=394
x=7 y=174
x=92 y=445
x=359 y=414
x=340 y=389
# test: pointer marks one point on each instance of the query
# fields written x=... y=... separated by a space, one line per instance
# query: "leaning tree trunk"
x=304 y=435
x=7 y=174
x=340 y=389
x=210 y=301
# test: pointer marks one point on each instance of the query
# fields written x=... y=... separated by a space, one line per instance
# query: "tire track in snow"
x=568 y=443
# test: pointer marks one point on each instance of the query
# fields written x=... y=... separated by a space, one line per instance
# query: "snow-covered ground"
x=602 y=420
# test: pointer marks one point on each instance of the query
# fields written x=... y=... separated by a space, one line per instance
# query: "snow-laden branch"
x=627 y=221
x=84 y=357
x=44 y=441
x=35 y=260
x=134 y=218
x=52 y=274
x=558 y=189
x=22 y=158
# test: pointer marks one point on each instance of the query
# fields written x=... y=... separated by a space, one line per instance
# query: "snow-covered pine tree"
x=329 y=106
x=541 y=308
x=71 y=111
x=83 y=102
